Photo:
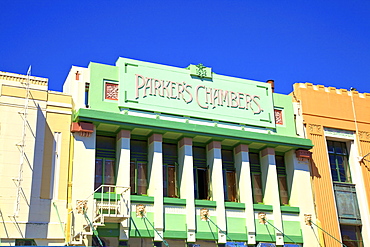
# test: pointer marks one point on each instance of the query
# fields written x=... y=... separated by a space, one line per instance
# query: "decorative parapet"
x=82 y=128
x=23 y=78
x=333 y=90
x=200 y=71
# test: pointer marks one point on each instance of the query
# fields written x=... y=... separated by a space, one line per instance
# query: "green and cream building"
x=184 y=157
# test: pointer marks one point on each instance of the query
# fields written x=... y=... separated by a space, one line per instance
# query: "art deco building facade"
x=34 y=148
x=184 y=157
x=338 y=123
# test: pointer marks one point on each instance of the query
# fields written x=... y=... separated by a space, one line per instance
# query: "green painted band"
x=262 y=207
x=205 y=203
x=288 y=209
x=142 y=199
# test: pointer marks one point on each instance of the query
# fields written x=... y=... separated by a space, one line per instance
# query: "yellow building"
x=34 y=148
x=338 y=123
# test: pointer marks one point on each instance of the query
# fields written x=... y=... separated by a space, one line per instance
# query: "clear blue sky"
x=322 y=42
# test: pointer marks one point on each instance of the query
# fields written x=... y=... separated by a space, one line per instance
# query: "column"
x=123 y=177
x=243 y=180
x=298 y=175
x=155 y=175
x=185 y=160
x=271 y=189
x=83 y=179
x=214 y=162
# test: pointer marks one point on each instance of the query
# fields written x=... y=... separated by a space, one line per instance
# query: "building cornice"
x=23 y=78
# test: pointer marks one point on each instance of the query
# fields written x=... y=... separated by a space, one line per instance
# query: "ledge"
x=142 y=199
x=262 y=207
x=131 y=122
x=234 y=205
x=288 y=209
x=174 y=201
x=205 y=203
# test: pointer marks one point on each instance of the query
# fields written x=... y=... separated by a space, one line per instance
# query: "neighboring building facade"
x=177 y=157
x=34 y=148
x=338 y=123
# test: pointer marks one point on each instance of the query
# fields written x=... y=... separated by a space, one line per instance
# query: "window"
x=139 y=167
x=229 y=175
x=170 y=188
x=255 y=166
x=283 y=186
x=105 y=161
x=200 y=173
x=87 y=87
x=351 y=235
x=338 y=158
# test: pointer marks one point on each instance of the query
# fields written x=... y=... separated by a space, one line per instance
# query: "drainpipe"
x=69 y=189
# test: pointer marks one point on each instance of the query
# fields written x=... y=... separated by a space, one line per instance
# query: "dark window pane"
x=199 y=152
x=254 y=162
x=165 y=179
x=339 y=161
x=334 y=173
x=172 y=188
x=351 y=235
x=332 y=159
x=231 y=186
x=280 y=165
x=257 y=188
x=227 y=156
x=169 y=153
x=133 y=177
x=283 y=190
x=139 y=150
x=141 y=178
x=109 y=172
x=338 y=148
x=98 y=172
x=330 y=146
x=105 y=142
x=202 y=183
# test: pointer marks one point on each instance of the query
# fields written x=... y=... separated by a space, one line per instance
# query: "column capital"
x=213 y=144
x=267 y=151
x=185 y=141
x=241 y=148
x=155 y=138
x=124 y=134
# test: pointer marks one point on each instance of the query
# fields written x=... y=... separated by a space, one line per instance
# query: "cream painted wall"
x=37 y=218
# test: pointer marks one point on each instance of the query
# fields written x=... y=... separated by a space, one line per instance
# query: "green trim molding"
x=262 y=207
x=174 y=201
x=205 y=203
x=159 y=125
x=288 y=209
x=234 y=205
x=142 y=199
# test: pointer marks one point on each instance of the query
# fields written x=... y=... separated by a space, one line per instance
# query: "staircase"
x=110 y=205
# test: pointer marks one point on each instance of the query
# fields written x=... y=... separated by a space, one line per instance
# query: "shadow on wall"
x=314 y=170
x=39 y=209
